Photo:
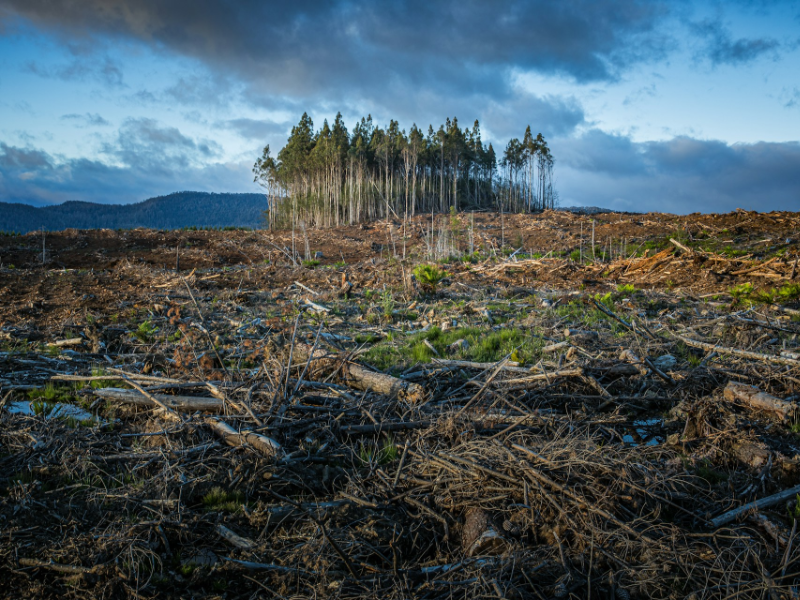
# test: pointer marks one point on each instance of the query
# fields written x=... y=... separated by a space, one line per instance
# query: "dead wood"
x=230 y=436
x=772 y=500
x=360 y=377
x=755 y=399
x=736 y=352
x=186 y=404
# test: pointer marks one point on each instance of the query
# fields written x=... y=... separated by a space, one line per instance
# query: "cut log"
x=63 y=343
x=361 y=378
x=677 y=244
x=180 y=403
x=736 y=352
x=556 y=347
x=576 y=372
x=755 y=399
x=262 y=443
x=509 y=365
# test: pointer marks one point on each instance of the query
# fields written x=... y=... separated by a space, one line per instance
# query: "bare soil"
x=559 y=419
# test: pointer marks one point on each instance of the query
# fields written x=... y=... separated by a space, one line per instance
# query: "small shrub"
x=429 y=276
x=145 y=332
x=311 y=263
x=387 y=304
x=627 y=288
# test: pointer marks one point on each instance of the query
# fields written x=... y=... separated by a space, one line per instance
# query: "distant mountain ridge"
x=174 y=211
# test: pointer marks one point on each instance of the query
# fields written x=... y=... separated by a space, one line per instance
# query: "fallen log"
x=230 y=436
x=359 y=377
x=732 y=515
x=755 y=399
x=481 y=366
x=736 y=352
x=556 y=347
x=576 y=372
x=179 y=403
x=235 y=539
x=58 y=567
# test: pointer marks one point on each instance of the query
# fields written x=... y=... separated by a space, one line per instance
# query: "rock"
x=319 y=254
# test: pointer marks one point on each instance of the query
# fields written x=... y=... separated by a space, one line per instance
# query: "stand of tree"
x=332 y=177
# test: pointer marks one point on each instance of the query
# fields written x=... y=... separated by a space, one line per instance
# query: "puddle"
x=643 y=432
x=52 y=411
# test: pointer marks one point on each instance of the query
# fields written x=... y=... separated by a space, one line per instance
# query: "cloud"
x=792 y=98
x=35 y=177
x=85 y=120
x=201 y=91
x=101 y=69
x=22 y=159
x=299 y=49
x=255 y=129
x=145 y=144
x=721 y=49
x=681 y=175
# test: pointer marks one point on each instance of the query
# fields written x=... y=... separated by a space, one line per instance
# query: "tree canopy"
x=332 y=176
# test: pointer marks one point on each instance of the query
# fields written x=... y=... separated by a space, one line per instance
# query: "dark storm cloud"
x=85 y=120
x=299 y=48
x=681 y=175
x=720 y=48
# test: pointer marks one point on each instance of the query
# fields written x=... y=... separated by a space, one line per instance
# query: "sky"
x=672 y=106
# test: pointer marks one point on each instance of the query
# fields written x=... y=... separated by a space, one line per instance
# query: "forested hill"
x=182 y=209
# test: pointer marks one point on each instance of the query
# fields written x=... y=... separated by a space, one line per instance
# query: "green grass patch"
x=51 y=394
x=222 y=500
x=105 y=383
x=745 y=292
x=484 y=345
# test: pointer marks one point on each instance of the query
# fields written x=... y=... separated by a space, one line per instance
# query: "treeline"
x=175 y=211
x=332 y=176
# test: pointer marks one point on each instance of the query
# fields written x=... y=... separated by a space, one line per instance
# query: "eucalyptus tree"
x=331 y=176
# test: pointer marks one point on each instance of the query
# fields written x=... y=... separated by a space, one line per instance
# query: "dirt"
x=572 y=436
